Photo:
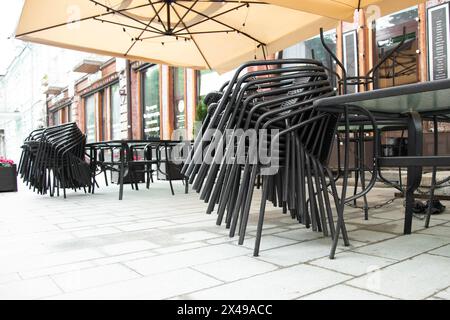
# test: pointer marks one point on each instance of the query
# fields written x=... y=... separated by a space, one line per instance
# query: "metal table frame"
x=125 y=147
x=416 y=112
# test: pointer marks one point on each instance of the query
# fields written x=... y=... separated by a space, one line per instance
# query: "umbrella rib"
x=203 y=32
x=163 y=35
x=80 y=20
x=123 y=14
x=153 y=37
x=214 y=16
x=185 y=14
x=127 y=26
x=142 y=32
x=224 y=24
x=344 y=4
x=193 y=39
x=237 y=1
x=157 y=14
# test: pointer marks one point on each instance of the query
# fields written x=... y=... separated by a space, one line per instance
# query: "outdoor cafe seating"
x=274 y=127
x=53 y=158
x=133 y=162
x=281 y=99
x=299 y=101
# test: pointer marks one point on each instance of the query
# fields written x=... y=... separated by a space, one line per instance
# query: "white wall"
x=22 y=98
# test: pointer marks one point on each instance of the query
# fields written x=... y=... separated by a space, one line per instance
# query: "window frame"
x=142 y=73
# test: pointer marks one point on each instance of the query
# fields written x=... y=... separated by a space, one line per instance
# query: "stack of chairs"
x=224 y=166
x=53 y=158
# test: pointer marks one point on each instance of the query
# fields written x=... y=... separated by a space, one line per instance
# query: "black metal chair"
x=135 y=161
x=272 y=99
x=54 y=158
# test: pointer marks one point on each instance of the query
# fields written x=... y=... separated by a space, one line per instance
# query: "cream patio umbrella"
x=200 y=34
x=344 y=9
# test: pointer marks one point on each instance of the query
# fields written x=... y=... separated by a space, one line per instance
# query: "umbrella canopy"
x=200 y=34
x=344 y=9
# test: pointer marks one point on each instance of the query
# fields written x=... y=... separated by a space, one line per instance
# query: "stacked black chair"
x=275 y=104
x=53 y=158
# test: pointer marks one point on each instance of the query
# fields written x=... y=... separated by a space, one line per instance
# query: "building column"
x=124 y=103
x=166 y=85
x=339 y=45
x=191 y=101
x=423 y=46
x=363 y=46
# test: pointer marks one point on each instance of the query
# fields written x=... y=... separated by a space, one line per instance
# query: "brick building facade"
x=119 y=99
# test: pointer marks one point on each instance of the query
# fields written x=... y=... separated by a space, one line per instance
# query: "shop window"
x=179 y=107
x=402 y=67
x=66 y=114
x=313 y=49
x=151 y=102
x=89 y=107
x=350 y=57
x=116 y=131
x=103 y=114
x=56 y=119
x=69 y=113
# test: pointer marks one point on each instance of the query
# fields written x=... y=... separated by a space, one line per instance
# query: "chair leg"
x=134 y=178
x=340 y=225
x=106 y=177
x=262 y=209
x=52 y=186
x=327 y=199
x=233 y=202
x=147 y=181
x=57 y=187
x=248 y=203
x=121 y=173
x=170 y=183
x=362 y=174
x=320 y=198
x=240 y=200
x=433 y=179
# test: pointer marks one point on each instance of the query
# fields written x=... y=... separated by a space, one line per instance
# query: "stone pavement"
x=152 y=245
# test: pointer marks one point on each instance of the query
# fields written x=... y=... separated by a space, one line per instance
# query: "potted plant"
x=8 y=176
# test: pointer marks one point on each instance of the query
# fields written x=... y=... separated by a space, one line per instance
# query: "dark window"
x=179 y=107
x=350 y=61
x=402 y=67
x=89 y=107
x=103 y=115
x=313 y=48
x=69 y=113
x=151 y=102
x=56 y=118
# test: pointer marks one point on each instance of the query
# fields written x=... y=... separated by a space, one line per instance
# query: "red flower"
x=6 y=162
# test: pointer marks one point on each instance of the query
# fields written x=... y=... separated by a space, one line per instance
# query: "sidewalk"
x=155 y=246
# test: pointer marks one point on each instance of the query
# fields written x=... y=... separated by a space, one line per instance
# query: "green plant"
x=201 y=111
x=5 y=162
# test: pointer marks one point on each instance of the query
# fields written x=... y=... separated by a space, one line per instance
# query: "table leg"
x=92 y=187
x=433 y=179
x=415 y=148
x=92 y=167
x=121 y=172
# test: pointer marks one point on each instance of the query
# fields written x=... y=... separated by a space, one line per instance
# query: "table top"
x=118 y=143
x=426 y=98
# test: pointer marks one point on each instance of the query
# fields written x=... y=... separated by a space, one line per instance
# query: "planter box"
x=8 y=179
